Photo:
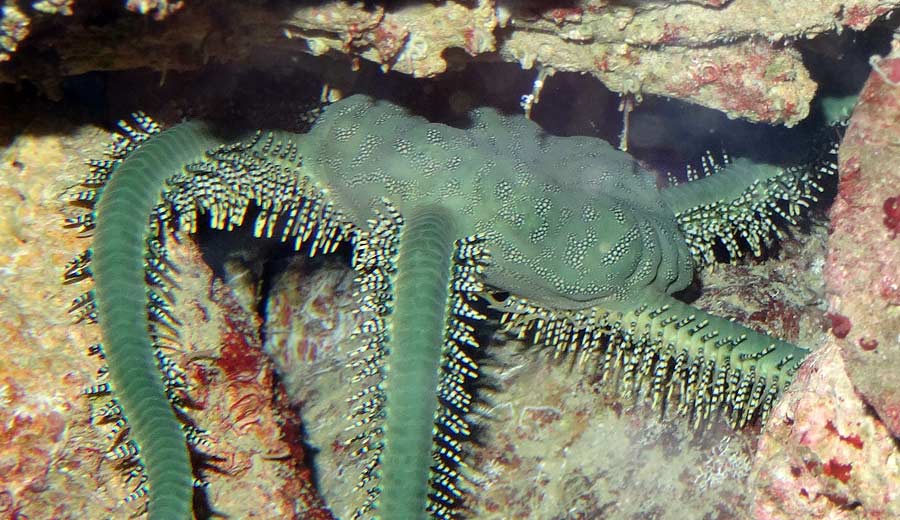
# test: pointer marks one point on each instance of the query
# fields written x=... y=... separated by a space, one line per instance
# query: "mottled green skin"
x=570 y=221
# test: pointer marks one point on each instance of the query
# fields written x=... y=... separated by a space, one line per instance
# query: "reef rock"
x=735 y=56
x=830 y=449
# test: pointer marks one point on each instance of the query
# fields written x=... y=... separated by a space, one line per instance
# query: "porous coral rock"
x=53 y=460
x=689 y=23
x=731 y=56
x=258 y=466
x=412 y=39
x=823 y=454
x=63 y=7
x=863 y=269
x=748 y=79
x=160 y=9
x=830 y=450
x=736 y=56
x=14 y=27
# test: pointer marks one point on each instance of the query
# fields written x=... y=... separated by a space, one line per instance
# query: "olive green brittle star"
x=576 y=233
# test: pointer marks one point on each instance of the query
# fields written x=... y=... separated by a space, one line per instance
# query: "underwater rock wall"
x=735 y=56
x=863 y=270
x=830 y=447
x=819 y=458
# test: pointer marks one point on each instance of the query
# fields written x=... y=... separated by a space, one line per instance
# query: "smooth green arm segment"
x=123 y=213
x=416 y=336
x=728 y=185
